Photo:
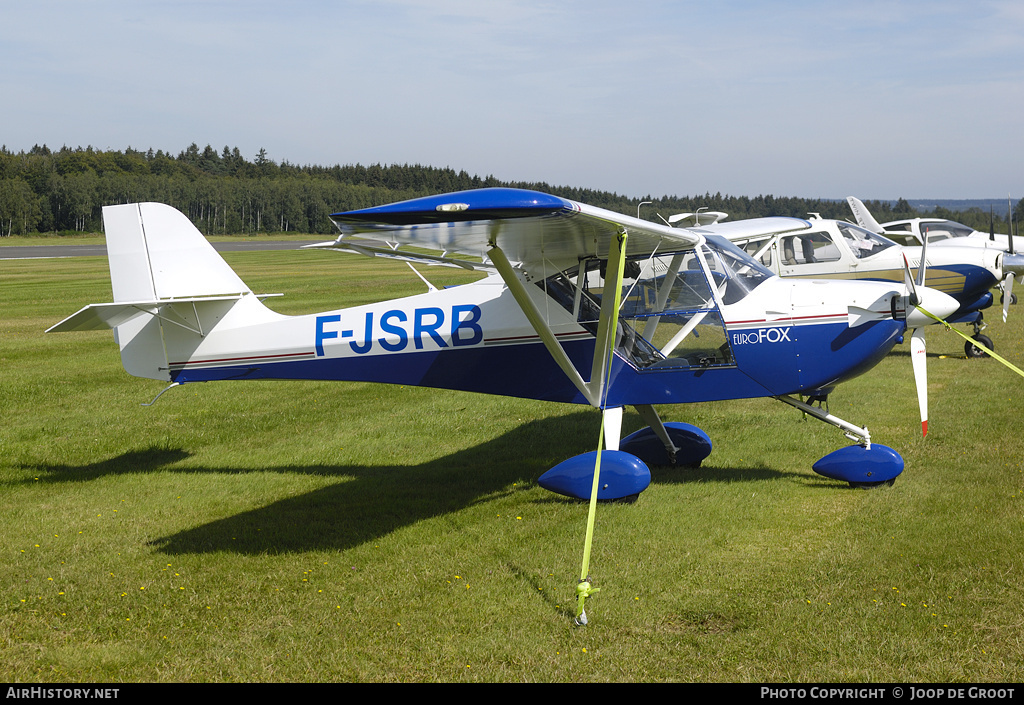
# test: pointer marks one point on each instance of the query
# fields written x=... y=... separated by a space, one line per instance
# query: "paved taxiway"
x=58 y=251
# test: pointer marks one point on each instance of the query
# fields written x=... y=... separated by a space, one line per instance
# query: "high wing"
x=536 y=230
x=368 y=248
x=741 y=230
x=525 y=234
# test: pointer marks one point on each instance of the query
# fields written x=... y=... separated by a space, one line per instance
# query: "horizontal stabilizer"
x=104 y=316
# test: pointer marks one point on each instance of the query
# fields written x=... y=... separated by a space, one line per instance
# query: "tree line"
x=222 y=192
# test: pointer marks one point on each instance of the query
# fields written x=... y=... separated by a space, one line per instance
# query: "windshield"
x=863 y=243
x=736 y=273
x=944 y=229
x=669 y=315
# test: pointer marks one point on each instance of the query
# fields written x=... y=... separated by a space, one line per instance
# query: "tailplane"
x=170 y=287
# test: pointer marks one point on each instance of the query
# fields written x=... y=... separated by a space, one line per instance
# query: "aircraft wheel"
x=1013 y=299
x=972 y=351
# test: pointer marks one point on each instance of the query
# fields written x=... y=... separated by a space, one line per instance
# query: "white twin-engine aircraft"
x=940 y=234
x=580 y=305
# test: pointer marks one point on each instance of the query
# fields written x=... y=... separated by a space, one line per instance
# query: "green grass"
x=303 y=531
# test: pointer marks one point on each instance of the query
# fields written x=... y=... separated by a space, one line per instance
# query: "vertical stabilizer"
x=156 y=252
x=863 y=216
x=157 y=256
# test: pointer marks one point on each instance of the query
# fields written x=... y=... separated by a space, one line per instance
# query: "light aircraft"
x=947 y=233
x=579 y=305
x=940 y=232
x=824 y=248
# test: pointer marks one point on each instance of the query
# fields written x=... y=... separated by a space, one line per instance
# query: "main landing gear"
x=625 y=466
x=971 y=350
x=864 y=465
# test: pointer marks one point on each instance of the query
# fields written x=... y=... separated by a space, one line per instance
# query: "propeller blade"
x=1007 y=294
x=908 y=279
x=923 y=265
x=919 y=359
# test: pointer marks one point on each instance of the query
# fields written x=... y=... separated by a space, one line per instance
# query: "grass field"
x=283 y=531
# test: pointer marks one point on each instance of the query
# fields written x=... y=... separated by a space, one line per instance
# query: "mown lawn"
x=303 y=531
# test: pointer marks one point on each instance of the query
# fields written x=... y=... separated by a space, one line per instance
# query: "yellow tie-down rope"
x=584 y=588
x=972 y=341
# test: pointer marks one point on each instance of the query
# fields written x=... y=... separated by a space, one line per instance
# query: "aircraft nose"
x=1013 y=264
x=933 y=301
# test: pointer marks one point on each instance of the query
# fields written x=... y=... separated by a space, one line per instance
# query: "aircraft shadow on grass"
x=373 y=501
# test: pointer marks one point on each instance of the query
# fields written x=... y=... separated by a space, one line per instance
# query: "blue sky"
x=816 y=99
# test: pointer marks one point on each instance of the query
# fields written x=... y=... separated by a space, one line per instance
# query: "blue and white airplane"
x=824 y=248
x=579 y=305
x=697 y=319
x=834 y=249
x=939 y=232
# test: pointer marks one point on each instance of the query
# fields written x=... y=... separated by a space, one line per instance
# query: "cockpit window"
x=669 y=316
x=736 y=273
x=808 y=248
x=944 y=229
x=863 y=243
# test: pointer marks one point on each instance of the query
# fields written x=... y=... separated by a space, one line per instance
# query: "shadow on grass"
x=373 y=501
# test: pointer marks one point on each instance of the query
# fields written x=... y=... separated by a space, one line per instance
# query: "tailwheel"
x=972 y=350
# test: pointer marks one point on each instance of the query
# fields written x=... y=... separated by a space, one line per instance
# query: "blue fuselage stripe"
x=788 y=361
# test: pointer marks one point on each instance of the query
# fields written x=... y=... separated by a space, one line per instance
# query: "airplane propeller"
x=1009 y=225
x=918 y=348
x=1007 y=294
x=1008 y=281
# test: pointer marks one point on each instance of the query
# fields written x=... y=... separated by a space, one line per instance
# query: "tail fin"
x=162 y=271
x=156 y=253
x=863 y=215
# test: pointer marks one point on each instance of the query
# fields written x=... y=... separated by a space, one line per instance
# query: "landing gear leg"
x=854 y=433
x=861 y=465
x=972 y=350
x=649 y=415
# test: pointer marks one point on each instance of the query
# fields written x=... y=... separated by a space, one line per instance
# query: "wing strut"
x=536 y=319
